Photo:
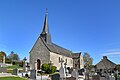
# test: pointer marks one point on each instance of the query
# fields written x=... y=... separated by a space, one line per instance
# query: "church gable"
x=39 y=51
x=105 y=64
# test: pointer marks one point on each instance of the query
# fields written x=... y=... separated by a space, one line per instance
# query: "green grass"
x=14 y=66
x=118 y=77
x=10 y=68
x=12 y=78
x=10 y=71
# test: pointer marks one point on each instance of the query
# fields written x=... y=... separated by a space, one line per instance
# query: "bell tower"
x=45 y=32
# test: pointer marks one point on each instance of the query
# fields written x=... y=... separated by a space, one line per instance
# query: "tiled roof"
x=76 y=55
x=57 y=49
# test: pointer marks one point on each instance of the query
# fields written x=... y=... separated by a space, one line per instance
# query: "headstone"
x=24 y=67
x=71 y=78
x=3 y=70
x=15 y=71
x=95 y=77
x=74 y=74
x=62 y=72
x=55 y=77
x=33 y=74
x=111 y=78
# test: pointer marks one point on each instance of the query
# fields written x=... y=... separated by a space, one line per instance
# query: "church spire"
x=45 y=33
x=46 y=28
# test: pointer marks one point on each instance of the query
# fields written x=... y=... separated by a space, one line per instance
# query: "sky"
x=91 y=26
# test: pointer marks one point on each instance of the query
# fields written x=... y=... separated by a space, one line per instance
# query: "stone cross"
x=61 y=70
x=61 y=61
x=25 y=64
x=35 y=67
x=74 y=74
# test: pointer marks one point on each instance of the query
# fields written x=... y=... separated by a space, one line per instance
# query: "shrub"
x=46 y=68
x=53 y=69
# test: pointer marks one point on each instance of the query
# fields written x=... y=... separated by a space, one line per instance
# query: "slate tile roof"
x=105 y=63
x=57 y=49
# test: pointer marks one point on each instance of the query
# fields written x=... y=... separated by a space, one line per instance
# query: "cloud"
x=112 y=52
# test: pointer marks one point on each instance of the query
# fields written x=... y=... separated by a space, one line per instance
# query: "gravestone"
x=111 y=78
x=3 y=70
x=62 y=70
x=71 y=78
x=95 y=77
x=33 y=74
x=55 y=77
x=25 y=64
x=15 y=71
x=74 y=74
x=62 y=73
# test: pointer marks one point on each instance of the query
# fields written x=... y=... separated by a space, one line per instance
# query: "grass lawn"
x=10 y=68
x=12 y=78
x=14 y=66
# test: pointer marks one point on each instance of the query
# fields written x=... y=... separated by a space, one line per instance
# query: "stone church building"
x=45 y=51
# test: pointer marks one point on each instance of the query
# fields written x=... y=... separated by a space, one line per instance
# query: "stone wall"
x=39 y=51
x=55 y=60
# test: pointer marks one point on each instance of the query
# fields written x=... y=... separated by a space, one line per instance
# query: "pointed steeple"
x=46 y=27
x=45 y=33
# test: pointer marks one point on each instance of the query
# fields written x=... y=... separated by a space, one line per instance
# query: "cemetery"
x=62 y=74
x=104 y=70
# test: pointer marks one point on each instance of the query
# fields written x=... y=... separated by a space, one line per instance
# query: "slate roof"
x=57 y=49
x=106 y=63
x=76 y=55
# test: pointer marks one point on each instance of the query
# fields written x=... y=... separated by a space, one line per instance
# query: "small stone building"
x=105 y=64
x=45 y=51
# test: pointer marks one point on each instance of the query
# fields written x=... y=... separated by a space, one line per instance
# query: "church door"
x=38 y=64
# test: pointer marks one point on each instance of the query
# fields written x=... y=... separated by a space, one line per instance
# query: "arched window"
x=38 y=63
x=59 y=60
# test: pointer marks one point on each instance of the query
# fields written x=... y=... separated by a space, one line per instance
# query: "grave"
x=55 y=77
x=3 y=70
x=62 y=70
x=74 y=74
x=33 y=74
x=95 y=77
x=15 y=71
x=71 y=78
x=62 y=73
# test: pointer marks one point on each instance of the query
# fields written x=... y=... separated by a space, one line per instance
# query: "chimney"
x=104 y=57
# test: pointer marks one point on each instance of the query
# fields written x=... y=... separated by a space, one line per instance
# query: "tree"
x=88 y=60
x=118 y=67
x=87 y=64
x=13 y=56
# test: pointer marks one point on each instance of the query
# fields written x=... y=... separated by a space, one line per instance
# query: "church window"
x=59 y=59
x=66 y=60
x=71 y=62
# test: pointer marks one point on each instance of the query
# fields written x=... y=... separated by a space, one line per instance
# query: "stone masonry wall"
x=39 y=51
x=55 y=60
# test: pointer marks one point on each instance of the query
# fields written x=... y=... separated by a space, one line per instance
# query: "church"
x=45 y=51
